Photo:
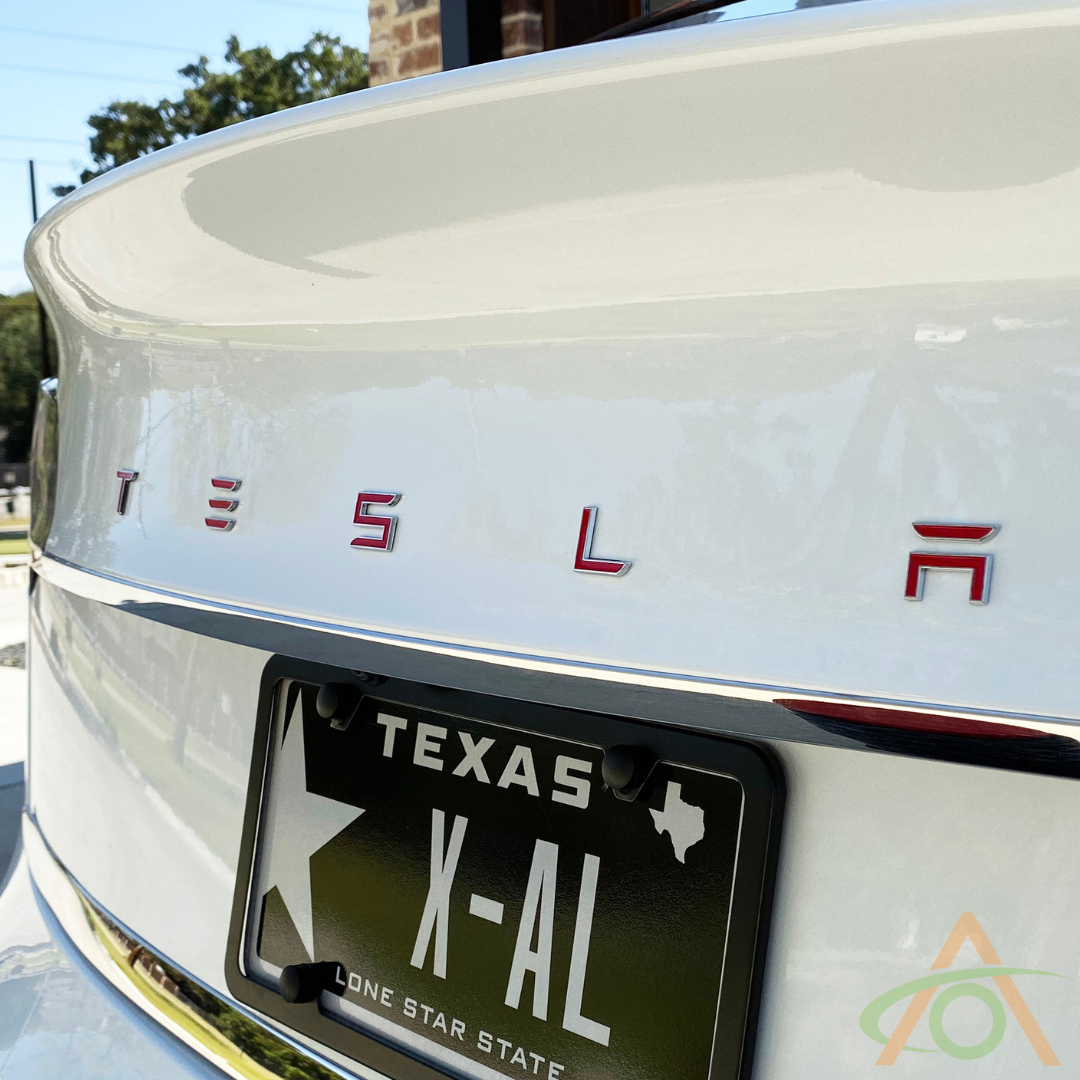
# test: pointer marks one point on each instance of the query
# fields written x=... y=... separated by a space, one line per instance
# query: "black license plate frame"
x=753 y=767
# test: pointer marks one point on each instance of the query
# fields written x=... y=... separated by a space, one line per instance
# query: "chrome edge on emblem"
x=386 y=524
x=125 y=476
x=584 y=563
x=223 y=483
x=980 y=566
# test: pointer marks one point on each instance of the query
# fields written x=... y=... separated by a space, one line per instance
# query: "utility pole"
x=43 y=331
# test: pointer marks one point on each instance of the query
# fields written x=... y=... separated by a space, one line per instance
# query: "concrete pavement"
x=13 y=626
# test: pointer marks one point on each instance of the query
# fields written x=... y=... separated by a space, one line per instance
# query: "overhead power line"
x=312 y=7
x=97 y=40
x=22 y=161
x=86 y=74
x=37 y=139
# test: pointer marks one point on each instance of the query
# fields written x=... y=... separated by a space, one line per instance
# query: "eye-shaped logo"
x=958 y=984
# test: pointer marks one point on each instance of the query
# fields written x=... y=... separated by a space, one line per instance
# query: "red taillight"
x=908 y=720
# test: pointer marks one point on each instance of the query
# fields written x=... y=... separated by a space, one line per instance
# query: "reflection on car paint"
x=247 y=1048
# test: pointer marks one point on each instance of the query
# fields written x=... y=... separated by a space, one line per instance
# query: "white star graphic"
x=299 y=823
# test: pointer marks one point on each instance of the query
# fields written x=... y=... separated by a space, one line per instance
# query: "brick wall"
x=522 y=27
x=405 y=39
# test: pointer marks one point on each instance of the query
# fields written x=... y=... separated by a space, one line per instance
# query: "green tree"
x=20 y=372
x=256 y=84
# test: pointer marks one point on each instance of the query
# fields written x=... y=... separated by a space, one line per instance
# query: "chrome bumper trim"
x=507 y=672
x=130 y=595
x=230 y=1036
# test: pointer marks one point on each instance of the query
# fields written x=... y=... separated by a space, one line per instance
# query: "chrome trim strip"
x=99 y=938
x=123 y=592
x=153 y=602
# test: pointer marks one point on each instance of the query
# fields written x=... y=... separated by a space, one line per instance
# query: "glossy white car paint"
x=765 y=293
x=56 y=1020
x=880 y=857
x=139 y=756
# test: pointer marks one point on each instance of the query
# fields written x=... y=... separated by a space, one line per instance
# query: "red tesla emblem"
x=979 y=566
x=223 y=503
x=584 y=563
x=125 y=476
x=385 y=523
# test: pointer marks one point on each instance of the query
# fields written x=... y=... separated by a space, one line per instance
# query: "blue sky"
x=52 y=78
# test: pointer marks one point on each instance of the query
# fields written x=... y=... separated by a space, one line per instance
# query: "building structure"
x=419 y=37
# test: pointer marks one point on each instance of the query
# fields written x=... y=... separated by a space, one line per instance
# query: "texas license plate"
x=475 y=900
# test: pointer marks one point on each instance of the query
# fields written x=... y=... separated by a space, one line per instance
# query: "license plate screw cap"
x=299 y=983
x=626 y=769
x=337 y=702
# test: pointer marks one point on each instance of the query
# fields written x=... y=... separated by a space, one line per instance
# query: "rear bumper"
x=59 y=1017
x=138 y=775
x=81 y=997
